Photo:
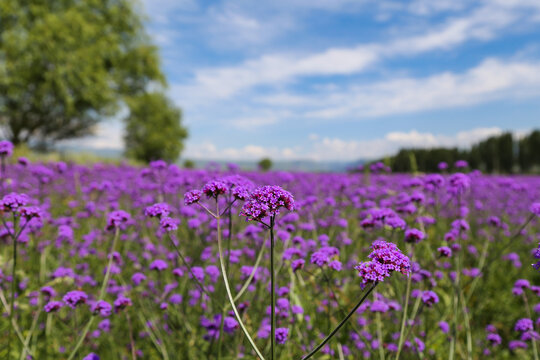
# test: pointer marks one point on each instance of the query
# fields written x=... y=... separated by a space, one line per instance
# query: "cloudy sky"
x=344 y=79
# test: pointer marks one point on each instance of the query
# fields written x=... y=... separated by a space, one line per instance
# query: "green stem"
x=13 y=287
x=326 y=339
x=404 y=319
x=101 y=296
x=379 y=335
x=272 y=294
x=229 y=294
x=253 y=272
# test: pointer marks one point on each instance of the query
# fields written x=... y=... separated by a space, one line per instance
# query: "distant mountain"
x=288 y=165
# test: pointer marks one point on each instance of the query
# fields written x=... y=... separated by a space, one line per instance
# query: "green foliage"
x=265 y=164
x=153 y=128
x=66 y=64
x=496 y=154
x=189 y=164
x=529 y=151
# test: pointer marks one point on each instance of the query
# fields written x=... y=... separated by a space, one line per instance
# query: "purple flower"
x=91 y=356
x=157 y=210
x=13 y=202
x=535 y=208
x=458 y=183
x=138 y=278
x=230 y=324
x=169 y=224
x=385 y=259
x=192 y=197
x=494 y=339
x=74 y=298
x=298 y=264
x=523 y=325
x=53 y=306
x=121 y=302
x=213 y=189
x=379 y=306
x=516 y=344
x=267 y=201
x=445 y=251
x=117 y=218
x=281 y=335
x=429 y=298
x=414 y=235
x=48 y=291
x=158 y=265
x=6 y=148
x=102 y=307
x=443 y=325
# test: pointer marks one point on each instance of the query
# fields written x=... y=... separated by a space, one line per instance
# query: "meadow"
x=123 y=262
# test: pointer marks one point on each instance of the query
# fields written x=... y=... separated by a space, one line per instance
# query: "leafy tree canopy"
x=66 y=64
x=153 y=129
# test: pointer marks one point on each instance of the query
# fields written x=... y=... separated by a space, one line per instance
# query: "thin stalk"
x=101 y=296
x=252 y=274
x=467 y=327
x=404 y=319
x=13 y=322
x=379 y=335
x=529 y=314
x=272 y=294
x=326 y=339
x=229 y=294
x=31 y=332
x=13 y=287
x=179 y=253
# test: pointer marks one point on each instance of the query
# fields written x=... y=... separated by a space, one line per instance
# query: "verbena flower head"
x=429 y=298
x=535 y=208
x=414 y=235
x=213 y=189
x=91 y=356
x=157 y=210
x=13 y=202
x=121 y=303
x=117 y=218
x=385 y=259
x=458 y=183
x=267 y=201
x=102 y=307
x=158 y=265
x=6 y=148
x=192 y=197
x=281 y=335
x=53 y=306
x=523 y=325
x=74 y=298
x=169 y=224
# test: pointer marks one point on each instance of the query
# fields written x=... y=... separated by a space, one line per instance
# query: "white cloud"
x=491 y=80
x=252 y=123
x=486 y=22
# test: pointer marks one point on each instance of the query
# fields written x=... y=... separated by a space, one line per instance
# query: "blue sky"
x=344 y=79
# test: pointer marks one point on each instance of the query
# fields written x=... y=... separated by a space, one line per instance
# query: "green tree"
x=67 y=64
x=265 y=164
x=153 y=128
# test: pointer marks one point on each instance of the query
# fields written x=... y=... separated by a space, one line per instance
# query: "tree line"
x=497 y=154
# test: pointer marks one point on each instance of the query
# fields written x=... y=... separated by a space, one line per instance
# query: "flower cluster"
x=117 y=218
x=385 y=259
x=6 y=148
x=267 y=201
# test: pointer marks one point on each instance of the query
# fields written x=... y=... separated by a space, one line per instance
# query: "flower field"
x=121 y=262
